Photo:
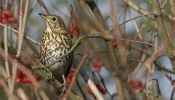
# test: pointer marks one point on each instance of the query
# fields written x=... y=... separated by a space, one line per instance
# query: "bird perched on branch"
x=55 y=44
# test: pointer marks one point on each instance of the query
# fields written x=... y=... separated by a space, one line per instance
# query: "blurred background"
x=129 y=44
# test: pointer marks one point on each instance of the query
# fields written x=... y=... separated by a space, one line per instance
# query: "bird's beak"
x=43 y=15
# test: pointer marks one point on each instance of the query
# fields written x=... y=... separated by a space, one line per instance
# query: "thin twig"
x=26 y=37
x=80 y=88
x=22 y=94
x=172 y=94
x=43 y=95
x=163 y=68
x=94 y=89
x=133 y=18
x=4 y=86
x=136 y=26
x=43 y=6
x=13 y=78
x=75 y=75
x=164 y=4
x=22 y=27
x=167 y=40
x=136 y=8
x=6 y=53
x=20 y=66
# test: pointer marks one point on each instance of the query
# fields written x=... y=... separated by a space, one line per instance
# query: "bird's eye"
x=54 y=18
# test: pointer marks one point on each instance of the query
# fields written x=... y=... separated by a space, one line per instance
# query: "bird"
x=56 y=43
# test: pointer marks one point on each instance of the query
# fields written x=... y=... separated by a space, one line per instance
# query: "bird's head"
x=53 y=22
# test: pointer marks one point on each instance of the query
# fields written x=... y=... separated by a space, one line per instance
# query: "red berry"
x=129 y=70
x=88 y=90
x=27 y=80
x=6 y=13
x=74 y=30
x=97 y=65
x=18 y=80
x=38 y=77
x=69 y=78
x=71 y=30
x=5 y=20
x=102 y=90
x=115 y=44
x=22 y=77
x=76 y=33
x=136 y=84
x=12 y=19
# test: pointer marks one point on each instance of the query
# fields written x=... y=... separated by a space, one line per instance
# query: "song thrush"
x=56 y=43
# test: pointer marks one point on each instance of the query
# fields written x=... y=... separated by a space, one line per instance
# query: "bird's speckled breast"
x=53 y=47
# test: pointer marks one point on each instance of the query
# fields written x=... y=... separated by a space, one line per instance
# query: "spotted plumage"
x=55 y=44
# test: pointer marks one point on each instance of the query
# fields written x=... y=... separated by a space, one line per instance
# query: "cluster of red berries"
x=101 y=89
x=74 y=30
x=97 y=64
x=6 y=17
x=136 y=84
x=22 y=77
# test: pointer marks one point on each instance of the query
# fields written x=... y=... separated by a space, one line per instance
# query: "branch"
x=22 y=25
x=172 y=94
x=161 y=26
x=164 y=68
x=136 y=8
x=6 y=54
x=43 y=6
x=95 y=90
x=26 y=37
x=110 y=49
x=133 y=18
x=83 y=59
x=45 y=74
